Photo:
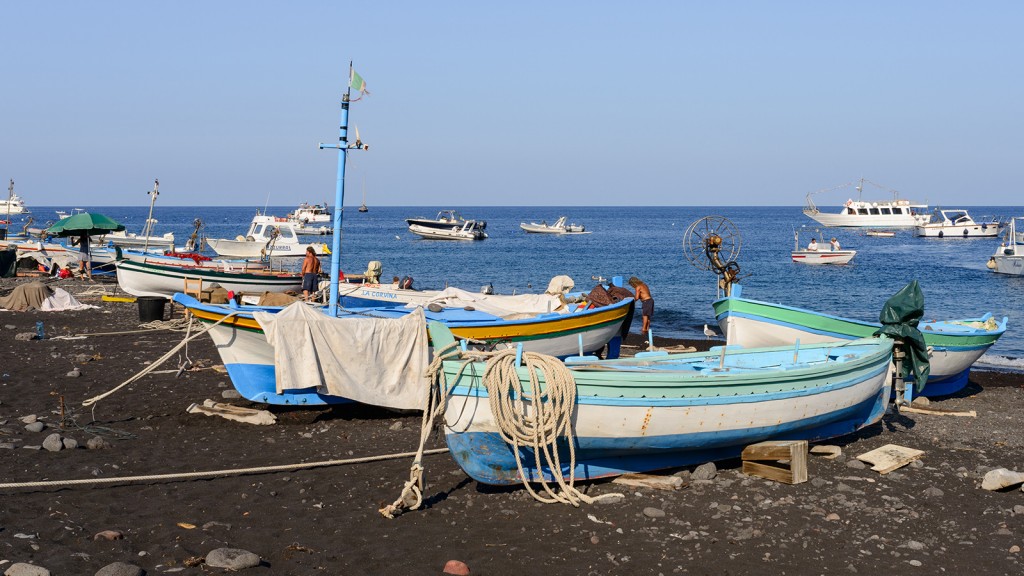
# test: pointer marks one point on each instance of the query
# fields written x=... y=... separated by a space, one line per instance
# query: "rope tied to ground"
x=188 y=338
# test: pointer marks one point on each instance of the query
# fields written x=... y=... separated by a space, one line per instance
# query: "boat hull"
x=249 y=358
x=251 y=249
x=141 y=279
x=823 y=257
x=452 y=233
x=972 y=231
x=639 y=422
x=953 y=346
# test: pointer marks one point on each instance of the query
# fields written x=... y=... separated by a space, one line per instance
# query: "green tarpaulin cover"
x=900 y=316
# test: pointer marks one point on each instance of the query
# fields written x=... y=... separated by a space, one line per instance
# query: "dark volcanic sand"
x=929 y=518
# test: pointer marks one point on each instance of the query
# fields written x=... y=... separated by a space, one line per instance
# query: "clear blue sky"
x=512 y=103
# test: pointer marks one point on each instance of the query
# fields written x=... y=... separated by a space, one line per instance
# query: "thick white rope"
x=159 y=361
x=228 y=472
x=551 y=418
x=537 y=418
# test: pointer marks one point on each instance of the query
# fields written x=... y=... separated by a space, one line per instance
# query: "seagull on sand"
x=708 y=332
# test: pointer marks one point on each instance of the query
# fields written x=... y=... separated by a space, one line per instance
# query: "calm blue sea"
x=648 y=242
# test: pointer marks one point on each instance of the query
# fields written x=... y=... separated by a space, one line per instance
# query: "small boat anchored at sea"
x=819 y=252
x=14 y=205
x=559 y=227
x=958 y=224
x=448 y=225
x=1009 y=256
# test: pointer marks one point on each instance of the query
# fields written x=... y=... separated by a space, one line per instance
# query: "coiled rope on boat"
x=537 y=418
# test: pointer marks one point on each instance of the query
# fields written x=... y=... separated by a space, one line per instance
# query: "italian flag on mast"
x=356 y=82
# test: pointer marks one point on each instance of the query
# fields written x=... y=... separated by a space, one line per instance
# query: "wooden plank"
x=779 y=474
x=890 y=457
x=774 y=450
x=937 y=411
x=650 y=481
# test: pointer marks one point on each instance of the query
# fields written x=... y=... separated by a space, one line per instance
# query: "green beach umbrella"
x=84 y=223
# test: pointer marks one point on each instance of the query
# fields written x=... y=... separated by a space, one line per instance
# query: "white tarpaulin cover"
x=375 y=361
x=499 y=304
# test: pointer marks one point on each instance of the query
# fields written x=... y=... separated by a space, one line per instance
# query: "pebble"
x=856 y=464
x=914 y=545
x=706 y=471
x=230 y=394
x=109 y=535
x=1018 y=509
x=818 y=482
x=70 y=443
x=832 y=517
x=74 y=373
x=396 y=426
x=23 y=569
x=456 y=567
x=120 y=569
x=96 y=443
x=35 y=427
x=25 y=337
x=1014 y=549
x=53 y=443
x=29 y=419
x=914 y=562
x=933 y=492
x=232 y=559
x=652 y=512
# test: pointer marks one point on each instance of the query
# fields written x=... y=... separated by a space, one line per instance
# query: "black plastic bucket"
x=151 y=308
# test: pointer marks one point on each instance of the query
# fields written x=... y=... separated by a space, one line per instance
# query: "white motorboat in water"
x=311 y=219
x=958 y=224
x=13 y=205
x=268 y=236
x=559 y=227
x=893 y=213
x=448 y=225
x=820 y=253
x=1009 y=257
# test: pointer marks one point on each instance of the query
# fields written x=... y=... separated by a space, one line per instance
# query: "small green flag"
x=357 y=83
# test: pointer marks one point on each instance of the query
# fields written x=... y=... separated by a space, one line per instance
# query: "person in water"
x=310 y=272
x=643 y=295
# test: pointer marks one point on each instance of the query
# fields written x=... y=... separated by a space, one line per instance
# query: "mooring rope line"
x=188 y=337
x=226 y=472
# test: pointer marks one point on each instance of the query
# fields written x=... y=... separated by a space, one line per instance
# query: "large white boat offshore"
x=895 y=213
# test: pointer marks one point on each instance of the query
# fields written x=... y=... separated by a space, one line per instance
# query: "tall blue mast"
x=339 y=195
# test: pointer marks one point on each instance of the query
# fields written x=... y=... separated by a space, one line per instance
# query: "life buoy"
x=965 y=232
x=940 y=233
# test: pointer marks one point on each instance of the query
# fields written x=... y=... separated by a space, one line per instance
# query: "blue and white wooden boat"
x=954 y=345
x=656 y=412
x=249 y=357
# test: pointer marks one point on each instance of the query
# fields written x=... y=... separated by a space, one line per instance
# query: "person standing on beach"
x=310 y=272
x=643 y=294
x=83 y=256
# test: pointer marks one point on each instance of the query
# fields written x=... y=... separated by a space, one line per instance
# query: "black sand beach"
x=930 y=517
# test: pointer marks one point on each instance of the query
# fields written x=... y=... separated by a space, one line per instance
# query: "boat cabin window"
x=897 y=210
x=851 y=211
x=874 y=212
x=862 y=211
x=886 y=211
x=258 y=231
x=287 y=232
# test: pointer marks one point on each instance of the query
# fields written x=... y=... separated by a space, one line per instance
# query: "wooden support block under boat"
x=778 y=452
